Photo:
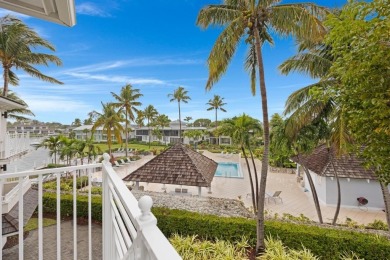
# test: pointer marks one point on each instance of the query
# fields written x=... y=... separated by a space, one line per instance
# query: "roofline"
x=10 y=102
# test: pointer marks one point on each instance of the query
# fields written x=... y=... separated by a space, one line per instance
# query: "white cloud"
x=90 y=9
x=117 y=79
x=39 y=103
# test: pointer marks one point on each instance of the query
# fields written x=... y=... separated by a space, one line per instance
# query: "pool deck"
x=295 y=200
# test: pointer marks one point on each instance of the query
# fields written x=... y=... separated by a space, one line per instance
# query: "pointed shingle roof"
x=177 y=165
x=347 y=166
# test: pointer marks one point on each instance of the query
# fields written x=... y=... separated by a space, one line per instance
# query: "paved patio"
x=50 y=246
x=295 y=200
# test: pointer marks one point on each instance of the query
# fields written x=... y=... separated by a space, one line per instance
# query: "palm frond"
x=217 y=15
x=223 y=50
x=302 y=20
x=251 y=66
x=316 y=66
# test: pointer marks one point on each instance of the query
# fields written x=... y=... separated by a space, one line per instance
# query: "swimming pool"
x=228 y=170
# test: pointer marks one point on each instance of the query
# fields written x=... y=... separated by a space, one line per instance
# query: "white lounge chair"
x=275 y=196
x=116 y=164
x=121 y=161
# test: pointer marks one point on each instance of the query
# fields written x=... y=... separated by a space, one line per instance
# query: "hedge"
x=325 y=242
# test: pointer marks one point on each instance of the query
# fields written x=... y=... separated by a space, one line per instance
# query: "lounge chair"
x=275 y=196
x=121 y=161
x=116 y=164
x=222 y=154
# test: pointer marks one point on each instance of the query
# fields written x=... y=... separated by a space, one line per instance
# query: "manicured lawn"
x=104 y=147
x=32 y=224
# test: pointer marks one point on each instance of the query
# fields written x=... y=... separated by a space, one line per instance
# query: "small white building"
x=355 y=181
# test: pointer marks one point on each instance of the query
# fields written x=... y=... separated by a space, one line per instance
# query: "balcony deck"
x=129 y=229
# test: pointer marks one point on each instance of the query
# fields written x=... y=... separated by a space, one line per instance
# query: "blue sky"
x=155 y=46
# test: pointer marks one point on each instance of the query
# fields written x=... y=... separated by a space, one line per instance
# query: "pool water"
x=228 y=170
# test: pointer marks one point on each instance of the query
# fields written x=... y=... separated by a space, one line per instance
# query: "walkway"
x=49 y=243
x=295 y=201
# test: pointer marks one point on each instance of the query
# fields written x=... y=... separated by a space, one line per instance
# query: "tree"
x=110 y=120
x=188 y=119
x=179 y=95
x=202 y=122
x=255 y=20
x=67 y=150
x=16 y=43
x=76 y=122
x=127 y=102
x=215 y=104
x=54 y=144
x=150 y=113
x=280 y=150
x=162 y=121
x=140 y=118
x=241 y=129
x=360 y=45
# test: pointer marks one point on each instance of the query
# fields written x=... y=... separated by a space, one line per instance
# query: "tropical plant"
x=254 y=20
x=179 y=95
x=215 y=104
x=150 y=113
x=76 y=122
x=162 y=121
x=54 y=144
x=16 y=43
x=67 y=150
x=188 y=119
x=127 y=102
x=241 y=129
x=110 y=120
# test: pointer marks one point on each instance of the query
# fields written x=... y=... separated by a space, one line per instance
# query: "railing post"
x=108 y=243
x=146 y=219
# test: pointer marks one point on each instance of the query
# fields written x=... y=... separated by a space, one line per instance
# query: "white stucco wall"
x=350 y=190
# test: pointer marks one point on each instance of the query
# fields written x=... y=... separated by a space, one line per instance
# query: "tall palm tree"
x=150 y=113
x=179 y=95
x=162 y=121
x=127 y=103
x=140 y=118
x=215 y=104
x=254 y=20
x=67 y=151
x=110 y=120
x=16 y=43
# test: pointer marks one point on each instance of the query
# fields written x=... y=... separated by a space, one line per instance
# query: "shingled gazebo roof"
x=347 y=166
x=177 y=165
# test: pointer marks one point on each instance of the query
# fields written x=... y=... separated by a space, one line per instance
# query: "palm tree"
x=67 y=150
x=255 y=20
x=188 y=119
x=216 y=103
x=16 y=43
x=241 y=129
x=54 y=144
x=76 y=122
x=140 y=118
x=162 y=121
x=150 y=113
x=127 y=103
x=180 y=95
x=110 y=120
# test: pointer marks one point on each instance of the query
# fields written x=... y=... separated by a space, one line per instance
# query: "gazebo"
x=177 y=165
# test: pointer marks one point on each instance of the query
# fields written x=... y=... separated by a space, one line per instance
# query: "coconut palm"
x=241 y=129
x=16 y=43
x=179 y=95
x=150 y=113
x=215 y=104
x=110 y=120
x=76 y=122
x=127 y=103
x=54 y=144
x=254 y=21
x=162 y=121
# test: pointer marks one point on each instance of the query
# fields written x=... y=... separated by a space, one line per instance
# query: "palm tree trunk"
x=5 y=76
x=127 y=133
x=260 y=245
x=313 y=192
x=250 y=180
x=336 y=214
x=216 y=125
x=149 y=132
x=256 y=177
x=386 y=199
x=179 y=123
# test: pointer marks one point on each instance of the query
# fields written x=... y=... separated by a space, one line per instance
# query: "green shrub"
x=52 y=165
x=97 y=190
x=377 y=224
x=325 y=242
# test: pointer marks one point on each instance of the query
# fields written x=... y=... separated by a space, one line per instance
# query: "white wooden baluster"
x=75 y=215
x=58 y=216
x=40 y=218
x=21 y=220
x=108 y=242
x=146 y=219
x=1 y=214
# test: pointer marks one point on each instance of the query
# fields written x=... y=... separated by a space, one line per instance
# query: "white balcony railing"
x=129 y=228
x=15 y=144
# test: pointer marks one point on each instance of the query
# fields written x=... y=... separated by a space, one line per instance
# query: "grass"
x=32 y=224
x=104 y=147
